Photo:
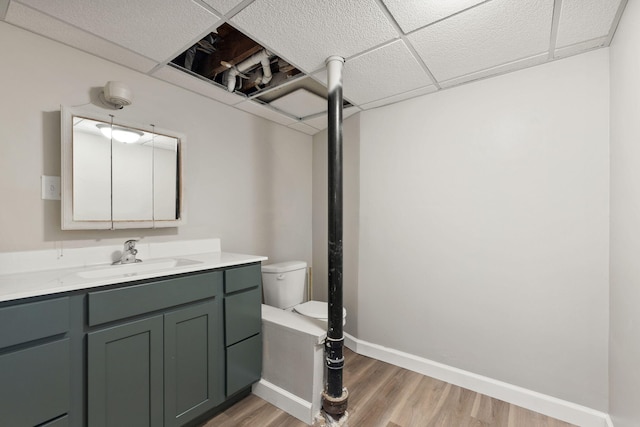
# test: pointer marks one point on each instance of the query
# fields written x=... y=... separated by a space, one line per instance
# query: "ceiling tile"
x=582 y=20
x=40 y=23
x=300 y=103
x=381 y=73
x=265 y=112
x=400 y=97
x=414 y=14
x=157 y=29
x=223 y=6
x=494 y=71
x=307 y=32
x=582 y=47
x=491 y=34
x=302 y=127
x=197 y=85
x=321 y=122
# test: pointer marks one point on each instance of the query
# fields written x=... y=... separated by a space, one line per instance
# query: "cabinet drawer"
x=244 y=364
x=31 y=321
x=34 y=384
x=237 y=279
x=58 y=422
x=243 y=315
x=115 y=304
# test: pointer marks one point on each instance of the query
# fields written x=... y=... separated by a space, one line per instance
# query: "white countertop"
x=25 y=284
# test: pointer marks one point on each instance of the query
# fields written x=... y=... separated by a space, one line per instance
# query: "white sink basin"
x=148 y=266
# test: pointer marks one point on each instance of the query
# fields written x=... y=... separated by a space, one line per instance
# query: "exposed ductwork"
x=229 y=58
x=263 y=57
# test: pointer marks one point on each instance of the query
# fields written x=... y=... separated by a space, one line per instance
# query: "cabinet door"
x=34 y=384
x=194 y=365
x=125 y=375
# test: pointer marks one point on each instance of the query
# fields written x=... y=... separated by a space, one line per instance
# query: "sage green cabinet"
x=162 y=370
x=244 y=364
x=242 y=315
x=243 y=323
x=164 y=352
x=193 y=362
x=125 y=374
x=35 y=380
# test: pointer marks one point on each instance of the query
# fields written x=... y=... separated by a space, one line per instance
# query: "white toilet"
x=294 y=333
x=284 y=287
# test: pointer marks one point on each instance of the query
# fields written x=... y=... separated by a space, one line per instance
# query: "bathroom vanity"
x=160 y=348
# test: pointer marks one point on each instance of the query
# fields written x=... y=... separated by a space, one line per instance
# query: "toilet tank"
x=283 y=283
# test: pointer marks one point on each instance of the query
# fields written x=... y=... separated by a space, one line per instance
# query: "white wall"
x=624 y=356
x=484 y=228
x=351 y=218
x=248 y=181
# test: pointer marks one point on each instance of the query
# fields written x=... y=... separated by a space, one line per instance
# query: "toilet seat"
x=315 y=310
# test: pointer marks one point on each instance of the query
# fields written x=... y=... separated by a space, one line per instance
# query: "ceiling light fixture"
x=116 y=95
x=124 y=135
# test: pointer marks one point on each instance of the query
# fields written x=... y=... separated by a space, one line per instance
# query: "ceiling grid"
x=394 y=49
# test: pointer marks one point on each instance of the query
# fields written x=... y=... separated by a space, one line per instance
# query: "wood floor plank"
x=380 y=406
x=490 y=412
x=520 y=416
x=285 y=420
x=426 y=394
x=454 y=408
x=384 y=395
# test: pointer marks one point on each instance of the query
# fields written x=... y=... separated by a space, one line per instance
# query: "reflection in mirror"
x=120 y=176
x=91 y=172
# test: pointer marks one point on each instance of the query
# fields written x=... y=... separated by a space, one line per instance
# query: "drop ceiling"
x=394 y=49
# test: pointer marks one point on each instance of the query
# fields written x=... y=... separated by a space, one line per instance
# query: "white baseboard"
x=288 y=402
x=538 y=402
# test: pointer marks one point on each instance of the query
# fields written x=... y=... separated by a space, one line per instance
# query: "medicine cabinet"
x=119 y=174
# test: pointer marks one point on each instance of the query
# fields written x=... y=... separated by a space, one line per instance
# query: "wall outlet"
x=50 y=187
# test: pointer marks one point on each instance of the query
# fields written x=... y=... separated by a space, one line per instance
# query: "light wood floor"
x=383 y=395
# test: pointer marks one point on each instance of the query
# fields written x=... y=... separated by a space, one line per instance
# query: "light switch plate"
x=50 y=187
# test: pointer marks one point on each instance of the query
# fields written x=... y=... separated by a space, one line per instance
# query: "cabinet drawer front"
x=31 y=321
x=34 y=384
x=237 y=279
x=243 y=315
x=58 y=422
x=244 y=364
x=115 y=304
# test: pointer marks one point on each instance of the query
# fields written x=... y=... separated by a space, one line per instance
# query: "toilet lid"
x=315 y=310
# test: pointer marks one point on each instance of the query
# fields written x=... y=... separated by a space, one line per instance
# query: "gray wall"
x=248 y=179
x=624 y=356
x=483 y=228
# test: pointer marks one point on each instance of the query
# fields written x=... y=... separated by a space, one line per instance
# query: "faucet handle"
x=130 y=245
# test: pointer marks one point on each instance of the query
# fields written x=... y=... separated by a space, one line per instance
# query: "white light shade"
x=127 y=136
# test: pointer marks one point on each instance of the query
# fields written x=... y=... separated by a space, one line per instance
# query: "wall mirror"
x=118 y=174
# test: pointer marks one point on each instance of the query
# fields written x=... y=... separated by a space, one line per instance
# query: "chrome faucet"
x=129 y=253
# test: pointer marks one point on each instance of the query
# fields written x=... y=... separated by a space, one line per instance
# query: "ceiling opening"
x=232 y=60
x=236 y=62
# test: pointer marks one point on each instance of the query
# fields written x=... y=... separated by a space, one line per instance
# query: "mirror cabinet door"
x=166 y=196
x=91 y=172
